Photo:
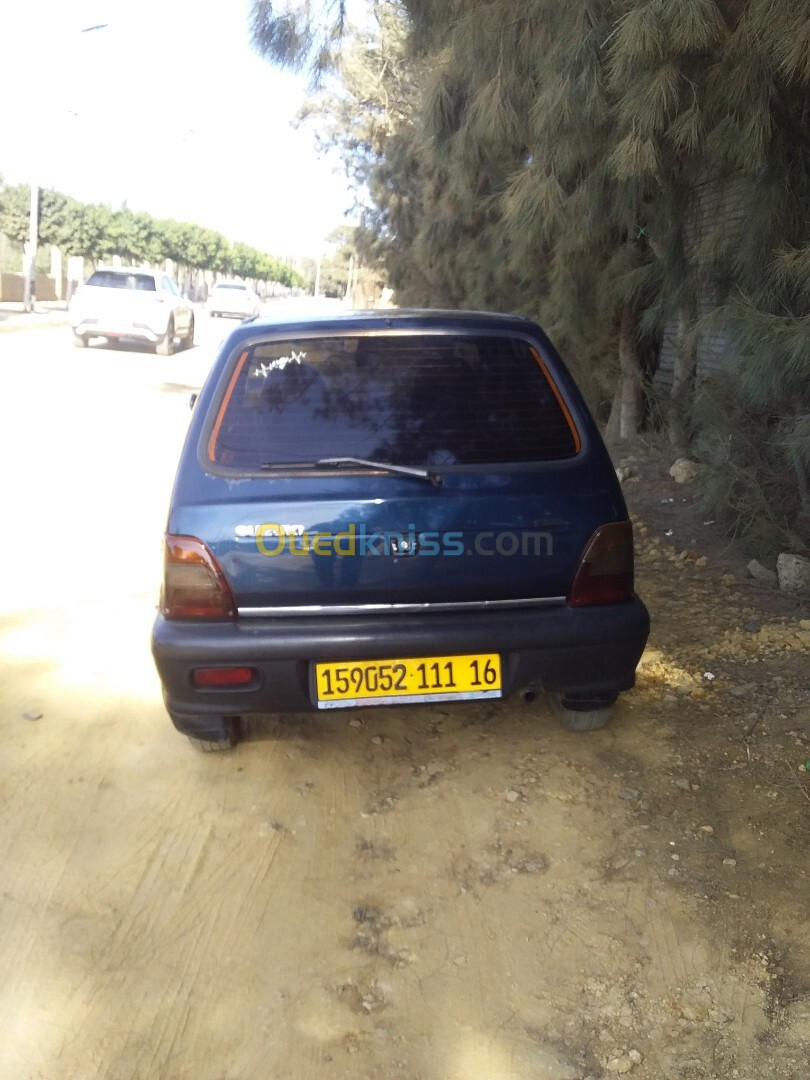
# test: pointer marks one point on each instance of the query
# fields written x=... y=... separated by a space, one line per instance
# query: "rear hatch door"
x=514 y=478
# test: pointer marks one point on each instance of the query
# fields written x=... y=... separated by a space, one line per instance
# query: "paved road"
x=407 y=894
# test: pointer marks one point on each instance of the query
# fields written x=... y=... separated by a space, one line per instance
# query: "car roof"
x=129 y=270
x=363 y=321
x=230 y=284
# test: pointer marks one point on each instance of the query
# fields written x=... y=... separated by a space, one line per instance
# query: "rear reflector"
x=194 y=586
x=222 y=676
x=605 y=571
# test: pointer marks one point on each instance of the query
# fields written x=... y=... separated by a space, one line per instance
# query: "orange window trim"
x=212 y=442
x=558 y=396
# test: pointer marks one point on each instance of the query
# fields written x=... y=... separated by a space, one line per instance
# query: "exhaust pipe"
x=528 y=696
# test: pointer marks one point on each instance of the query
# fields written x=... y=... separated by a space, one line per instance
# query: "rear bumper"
x=235 y=313
x=584 y=651
x=137 y=331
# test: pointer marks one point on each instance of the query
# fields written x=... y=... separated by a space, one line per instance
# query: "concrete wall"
x=11 y=287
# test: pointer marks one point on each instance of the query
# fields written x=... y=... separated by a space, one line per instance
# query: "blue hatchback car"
x=392 y=507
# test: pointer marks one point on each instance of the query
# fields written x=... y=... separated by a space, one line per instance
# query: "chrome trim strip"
x=410 y=699
x=292 y=611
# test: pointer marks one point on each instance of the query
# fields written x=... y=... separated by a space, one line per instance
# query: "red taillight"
x=222 y=676
x=194 y=587
x=605 y=571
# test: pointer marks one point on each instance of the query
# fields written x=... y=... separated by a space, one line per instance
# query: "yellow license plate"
x=343 y=683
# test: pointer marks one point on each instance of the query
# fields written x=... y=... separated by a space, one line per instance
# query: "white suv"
x=234 y=298
x=128 y=303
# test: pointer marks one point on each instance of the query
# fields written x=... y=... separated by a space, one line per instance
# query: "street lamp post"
x=30 y=257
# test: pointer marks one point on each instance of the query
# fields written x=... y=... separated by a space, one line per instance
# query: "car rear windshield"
x=420 y=400
x=108 y=279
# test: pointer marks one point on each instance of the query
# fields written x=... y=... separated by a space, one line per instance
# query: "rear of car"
x=235 y=299
x=387 y=508
x=131 y=304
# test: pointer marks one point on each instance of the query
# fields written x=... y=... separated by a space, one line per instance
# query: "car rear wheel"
x=80 y=341
x=188 y=340
x=209 y=733
x=165 y=347
x=581 y=714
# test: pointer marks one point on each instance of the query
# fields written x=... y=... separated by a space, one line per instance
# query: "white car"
x=234 y=298
x=119 y=303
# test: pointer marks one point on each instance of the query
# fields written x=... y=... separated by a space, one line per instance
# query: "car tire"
x=209 y=733
x=80 y=341
x=581 y=714
x=165 y=347
x=188 y=340
x=210 y=746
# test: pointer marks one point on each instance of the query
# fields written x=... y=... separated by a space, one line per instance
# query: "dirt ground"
x=459 y=893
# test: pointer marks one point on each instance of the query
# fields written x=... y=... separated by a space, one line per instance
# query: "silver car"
x=119 y=303
x=234 y=298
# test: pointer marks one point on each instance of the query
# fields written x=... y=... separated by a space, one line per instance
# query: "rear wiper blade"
x=386 y=466
x=282 y=465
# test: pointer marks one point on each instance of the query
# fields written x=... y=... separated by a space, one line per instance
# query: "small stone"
x=629 y=793
x=761 y=573
x=635 y=1057
x=683 y=784
x=702 y=562
x=707 y=829
x=684 y=471
x=709 y=676
x=675 y=857
x=728 y=579
x=619 y=1065
x=32 y=714
x=793 y=572
x=377 y=740
x=729 y=862
x=355 y=723
x=512 y=796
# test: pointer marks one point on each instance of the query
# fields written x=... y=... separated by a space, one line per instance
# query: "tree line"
x=634 y=174
x=97 y=232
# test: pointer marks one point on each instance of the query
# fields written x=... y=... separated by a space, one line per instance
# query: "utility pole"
x=30 y=258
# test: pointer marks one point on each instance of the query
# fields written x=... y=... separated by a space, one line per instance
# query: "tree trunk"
x=683 y=382
x=631 y=391
x=612 y=426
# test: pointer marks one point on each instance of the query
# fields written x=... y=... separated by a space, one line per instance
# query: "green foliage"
x=298 y=35
x=98 y=232
x=14 y=212
x=746 y=486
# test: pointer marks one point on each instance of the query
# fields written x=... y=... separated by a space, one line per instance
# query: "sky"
x=169 y=109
